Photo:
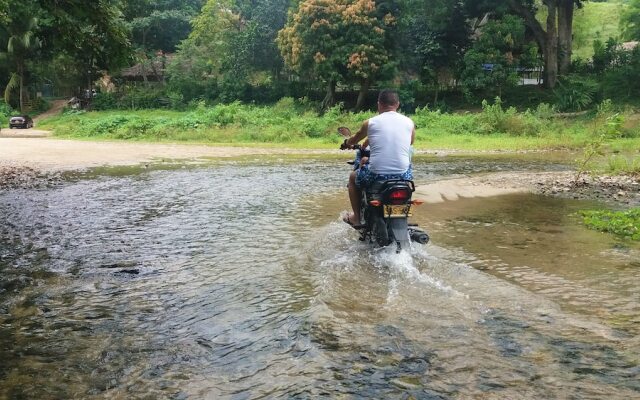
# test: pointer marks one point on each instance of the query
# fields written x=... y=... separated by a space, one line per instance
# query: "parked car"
x=21 y=121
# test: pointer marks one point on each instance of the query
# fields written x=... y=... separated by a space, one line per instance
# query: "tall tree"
x=433 y=38
x=232 y=46
x=493 y=60
x=554 y=37
x=21 y=43
x=93 y=33
x=565 y=33
x=4 y=11
x=157 y=26
x=211 y=33
x=160 y=24
x=546 y=39
x=256 y=47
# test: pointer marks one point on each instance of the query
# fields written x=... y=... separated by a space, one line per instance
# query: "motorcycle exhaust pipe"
x=419 y=236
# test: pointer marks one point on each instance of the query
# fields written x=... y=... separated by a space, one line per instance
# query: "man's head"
x=388 y=100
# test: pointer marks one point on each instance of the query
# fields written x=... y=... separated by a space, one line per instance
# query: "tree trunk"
x=164 y=69
x=21 y=73
x=548 y=41
x=330 y=98
x=143 y=69
x=89 y=97
x=550 y=49
x=362 y=95
x=565 y=40
x=143 y=66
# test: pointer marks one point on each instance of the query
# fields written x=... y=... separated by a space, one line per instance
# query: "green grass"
x=595 y=21
x=288 y=124
x=622 y=165
x=625 y=224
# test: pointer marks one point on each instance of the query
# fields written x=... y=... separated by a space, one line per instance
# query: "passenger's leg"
x=355 y=198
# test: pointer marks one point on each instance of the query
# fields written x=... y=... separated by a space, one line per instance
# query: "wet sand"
x=454 y=189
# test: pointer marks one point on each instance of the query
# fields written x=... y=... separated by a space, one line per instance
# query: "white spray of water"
x=338 y=251
x=403 y=271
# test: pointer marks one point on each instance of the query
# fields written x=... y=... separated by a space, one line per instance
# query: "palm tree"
x=22 y=41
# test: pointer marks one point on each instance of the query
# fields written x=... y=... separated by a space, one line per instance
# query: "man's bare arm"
x=413 y=135
x=361 y=134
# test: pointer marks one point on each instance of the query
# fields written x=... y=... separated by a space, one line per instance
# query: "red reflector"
x=399 y=196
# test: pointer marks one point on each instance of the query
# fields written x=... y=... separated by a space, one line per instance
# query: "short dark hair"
x=388 y=97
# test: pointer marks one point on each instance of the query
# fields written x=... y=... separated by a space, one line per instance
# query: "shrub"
x=575 y=93
x=104 y=101
x=612 y=122
x=544 y=111
x=621 y=165
x=497 y=119
x=606 y=126
x=224 y=114
x=621 y=81
x=425 y=116
x=134 y=128
x=286 y=106
x=189 y=121
x=104 y=126
x=5 y=111
x=625 y=224
x=141 y=98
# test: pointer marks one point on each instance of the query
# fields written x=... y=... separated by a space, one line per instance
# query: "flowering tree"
x=337 y=41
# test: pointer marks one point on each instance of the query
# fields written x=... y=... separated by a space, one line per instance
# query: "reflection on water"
x=237 y=281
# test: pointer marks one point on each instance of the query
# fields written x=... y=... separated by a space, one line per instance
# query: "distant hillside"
x=595 y=21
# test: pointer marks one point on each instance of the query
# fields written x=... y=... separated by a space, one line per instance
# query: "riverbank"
x=623 y=190
x=293 y=125
x=39 y=162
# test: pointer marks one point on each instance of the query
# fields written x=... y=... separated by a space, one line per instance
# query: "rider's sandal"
x=347 y=220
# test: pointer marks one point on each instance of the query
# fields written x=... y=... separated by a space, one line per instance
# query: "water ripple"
x=236 y=281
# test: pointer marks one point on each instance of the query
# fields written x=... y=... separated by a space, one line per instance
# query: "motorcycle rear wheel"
x=380 y=232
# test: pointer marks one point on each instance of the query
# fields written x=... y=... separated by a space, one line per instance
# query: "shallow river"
x=237 y=280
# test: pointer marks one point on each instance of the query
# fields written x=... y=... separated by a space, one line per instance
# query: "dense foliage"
x=327 y=51
x=501 y=49
x=290 y=122
x=625 y=224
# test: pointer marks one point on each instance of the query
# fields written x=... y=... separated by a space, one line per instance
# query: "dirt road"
x=55 y=154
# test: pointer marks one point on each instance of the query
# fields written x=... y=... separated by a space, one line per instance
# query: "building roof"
x=629 y=45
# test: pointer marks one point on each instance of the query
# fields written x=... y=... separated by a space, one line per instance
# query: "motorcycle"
x=385 y=208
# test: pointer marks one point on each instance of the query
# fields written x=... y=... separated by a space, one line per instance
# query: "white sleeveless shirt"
x=390 y=140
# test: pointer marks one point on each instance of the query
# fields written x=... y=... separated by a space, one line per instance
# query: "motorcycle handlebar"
x=345 y=146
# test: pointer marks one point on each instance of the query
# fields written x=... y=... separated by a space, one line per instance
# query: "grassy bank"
x=595 y=21
x=291 y=124
x=625 y=224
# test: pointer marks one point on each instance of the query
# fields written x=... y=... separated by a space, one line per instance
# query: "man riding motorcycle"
x=390 y=137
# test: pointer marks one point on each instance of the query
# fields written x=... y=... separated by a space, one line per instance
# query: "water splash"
x=338 y=249
x=404 y=269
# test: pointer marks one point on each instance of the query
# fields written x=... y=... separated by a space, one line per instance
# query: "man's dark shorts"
x=364 y=176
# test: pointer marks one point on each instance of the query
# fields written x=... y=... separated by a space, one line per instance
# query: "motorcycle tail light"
x=399 y=196
x=375 y=203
